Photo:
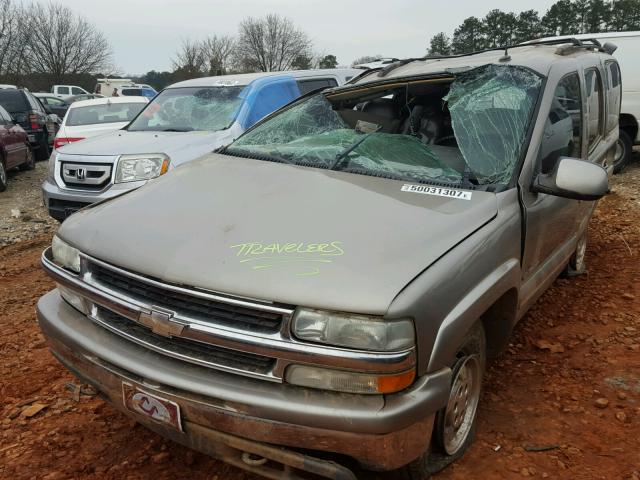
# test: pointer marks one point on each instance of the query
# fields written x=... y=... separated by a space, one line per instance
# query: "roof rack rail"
x=586 y=43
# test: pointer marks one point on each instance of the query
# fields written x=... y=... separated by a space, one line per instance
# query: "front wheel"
x=455 y=425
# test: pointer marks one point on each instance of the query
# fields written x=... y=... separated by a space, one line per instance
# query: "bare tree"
x=271 y=43
x=216 y=51
x=14 y=39
x=189 y=61
x=63 y=43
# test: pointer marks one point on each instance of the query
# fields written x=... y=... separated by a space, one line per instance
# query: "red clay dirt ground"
x=562 y=402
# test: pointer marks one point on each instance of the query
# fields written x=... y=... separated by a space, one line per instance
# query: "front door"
x=552 y=222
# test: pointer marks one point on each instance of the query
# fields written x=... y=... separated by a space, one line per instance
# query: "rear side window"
x=563 y=128
x=614 y=94
x=5 y=118
x=104 y=113
x=53 y=101
x=131 y=92
x=13 y=101
x=595 y=106
x=307 y=86
x=63 y=90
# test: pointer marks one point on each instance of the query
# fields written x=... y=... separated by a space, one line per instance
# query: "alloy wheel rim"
x=462 y=405
x=620 y=151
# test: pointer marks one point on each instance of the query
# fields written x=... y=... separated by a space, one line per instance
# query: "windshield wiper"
x=343 y=154
x=176 y=130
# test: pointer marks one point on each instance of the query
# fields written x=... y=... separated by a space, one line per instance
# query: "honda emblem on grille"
x=81 y=174
x=162 y=323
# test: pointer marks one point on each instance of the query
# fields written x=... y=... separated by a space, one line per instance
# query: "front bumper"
x=62 y=202
x=381 y=433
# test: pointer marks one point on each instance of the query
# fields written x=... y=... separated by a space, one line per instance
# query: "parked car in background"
x=30 y=114
x=6 y=85
x=106 y=86
x=84 y=96
x=65 y=91
x=89 y=118
x=624 y=78
x=138 y=90
x=15 y=151
x=53 y=104
x=183 y=122
x=335 y=279
x=382 y=62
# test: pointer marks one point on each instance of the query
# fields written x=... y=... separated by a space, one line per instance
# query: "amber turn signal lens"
x=395 y=383
x=164 y=167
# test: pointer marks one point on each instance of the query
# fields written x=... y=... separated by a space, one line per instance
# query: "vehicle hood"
x=179 y=146
x=277 y=232
x=86 y=131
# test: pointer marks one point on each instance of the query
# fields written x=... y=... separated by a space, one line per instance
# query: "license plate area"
x=151 y=406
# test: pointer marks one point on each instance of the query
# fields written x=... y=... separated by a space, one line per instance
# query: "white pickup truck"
x=66 y=91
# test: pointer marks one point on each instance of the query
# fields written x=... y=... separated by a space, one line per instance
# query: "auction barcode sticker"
x=438 y=191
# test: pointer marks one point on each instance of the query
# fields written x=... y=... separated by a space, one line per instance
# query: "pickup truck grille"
x=188 y=350
x=184 y=304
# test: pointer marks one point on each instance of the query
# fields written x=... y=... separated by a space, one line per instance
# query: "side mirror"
x=575 y=179
x=54 y=118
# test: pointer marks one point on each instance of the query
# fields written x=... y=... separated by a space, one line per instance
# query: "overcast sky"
x=146 y=33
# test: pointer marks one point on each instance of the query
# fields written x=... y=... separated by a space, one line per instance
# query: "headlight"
x=353 y=331
x=65 y=255
x=349 y=382
x=132 y=168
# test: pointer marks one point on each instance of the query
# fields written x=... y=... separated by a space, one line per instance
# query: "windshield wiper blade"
x=343 y=154
x=177 y=130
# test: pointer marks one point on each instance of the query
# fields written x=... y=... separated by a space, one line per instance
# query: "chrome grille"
x=184 y=304
x=187 y=350
x=92 y=176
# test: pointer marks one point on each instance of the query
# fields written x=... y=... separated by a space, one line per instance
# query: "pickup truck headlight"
x=353 y=331
x=65 y=255
x=132 y=168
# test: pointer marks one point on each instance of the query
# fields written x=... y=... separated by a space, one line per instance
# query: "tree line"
x=565 y=17
x=269 y=43
x=46 y=43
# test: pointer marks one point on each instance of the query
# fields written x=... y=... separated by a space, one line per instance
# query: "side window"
x=53 y=101
x=35 y=105
x=563 y=128
x=614 y=96
x=307 y=86
x=63 y=90
x=595 y=106
x=77 y=91
x=5 y=118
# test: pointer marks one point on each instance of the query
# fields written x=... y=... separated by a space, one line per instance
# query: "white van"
x=627 y=54
x=66 y=91
x=108 y=86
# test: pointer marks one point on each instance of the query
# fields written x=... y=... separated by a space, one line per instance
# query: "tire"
x=454 y=427
x=577 y=265
x=3 y=176
x=30 y=162
x=624 y=148
x=42 y=153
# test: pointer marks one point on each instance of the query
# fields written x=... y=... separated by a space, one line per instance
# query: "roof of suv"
x=538 y=57
x=247 y=78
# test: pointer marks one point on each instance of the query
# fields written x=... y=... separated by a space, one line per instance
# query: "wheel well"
x=498 y=322
x=629 y=124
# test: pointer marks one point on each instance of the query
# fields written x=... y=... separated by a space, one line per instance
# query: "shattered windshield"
x=190 y=108
x=466 y=131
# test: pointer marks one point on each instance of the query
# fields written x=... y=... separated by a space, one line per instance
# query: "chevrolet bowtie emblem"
x=162 y=323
